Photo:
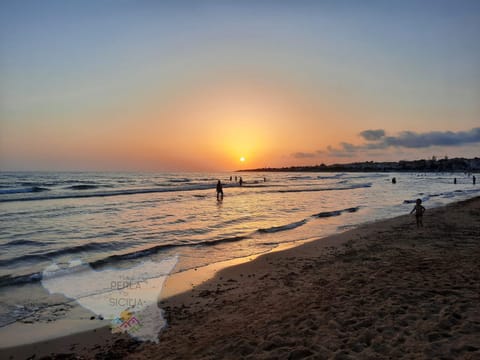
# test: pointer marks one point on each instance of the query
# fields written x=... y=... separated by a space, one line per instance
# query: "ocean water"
x=121 y=220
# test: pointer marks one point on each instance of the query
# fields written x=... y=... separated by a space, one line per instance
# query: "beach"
x=383 y=290
x=239 y=180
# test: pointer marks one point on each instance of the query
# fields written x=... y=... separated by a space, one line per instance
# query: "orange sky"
x=172 y=86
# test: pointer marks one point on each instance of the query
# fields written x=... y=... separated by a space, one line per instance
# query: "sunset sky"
x=196 y=85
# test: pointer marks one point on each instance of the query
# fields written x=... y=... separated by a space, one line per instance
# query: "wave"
x=109 y=193
x=39 y=183
x=32 y=189
x=134 y=254
x=446 y=195
x=290 y=226
x=224 y=240
x=459 y=192
x=158 y=248
x=185 y=180
x=351 y=187
x=328 y=214
x=300 y=177
x=25 y=242
x=358 y=186
x=427 y=197
x=237 y=220
x=82 y=187
x=89 y=247
x=304 y=221
x=413 y=201
x=325 y=214
x=9 y=280
x=336 y=176
x=81 y=191
x=369 y=176
x=350 y=176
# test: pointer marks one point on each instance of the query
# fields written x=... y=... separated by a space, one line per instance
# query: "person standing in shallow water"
x=419 y=210
x=219 y=191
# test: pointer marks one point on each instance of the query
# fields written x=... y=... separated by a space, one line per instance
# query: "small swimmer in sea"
x=219 y=191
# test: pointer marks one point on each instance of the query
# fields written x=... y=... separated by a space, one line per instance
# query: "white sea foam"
x=127 y=297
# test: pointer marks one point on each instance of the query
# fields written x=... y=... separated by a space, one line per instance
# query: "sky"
x=196 y=85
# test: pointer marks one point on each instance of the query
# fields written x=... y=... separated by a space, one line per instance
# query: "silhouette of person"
x=394 y=180
x=454 y=180
x=241 y=181
x=230 y=178
x=219 y=191
x=419 y=210
x=474 y=179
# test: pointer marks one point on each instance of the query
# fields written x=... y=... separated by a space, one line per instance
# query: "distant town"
x=423 y=165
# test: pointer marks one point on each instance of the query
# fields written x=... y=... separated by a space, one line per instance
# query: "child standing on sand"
x=419 y=210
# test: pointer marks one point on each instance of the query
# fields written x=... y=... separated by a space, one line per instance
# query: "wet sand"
x=383 y=290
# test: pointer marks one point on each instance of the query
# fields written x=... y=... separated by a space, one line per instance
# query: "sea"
x=120 y=220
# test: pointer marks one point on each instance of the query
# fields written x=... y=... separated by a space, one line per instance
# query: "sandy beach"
x=384 y=290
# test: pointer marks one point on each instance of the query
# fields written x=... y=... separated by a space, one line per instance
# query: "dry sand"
x=382 y=291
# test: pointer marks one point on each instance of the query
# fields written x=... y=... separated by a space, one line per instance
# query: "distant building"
x=433 y=165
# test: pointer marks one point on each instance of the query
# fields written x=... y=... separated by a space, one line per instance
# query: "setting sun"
x=242 y=159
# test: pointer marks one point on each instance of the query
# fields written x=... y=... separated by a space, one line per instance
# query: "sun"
x=242 y=159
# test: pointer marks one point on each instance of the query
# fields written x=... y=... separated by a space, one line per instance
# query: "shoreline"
x=453 y=165
x=213 y=305
x=79 y=320
x=69 y=329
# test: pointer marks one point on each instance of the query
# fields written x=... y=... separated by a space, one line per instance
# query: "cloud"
x=345 y=150
x=374 y=146
x=371 y=135
x=347 y=147
x=304 y=155
x=410 y=139
x=378 y=140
